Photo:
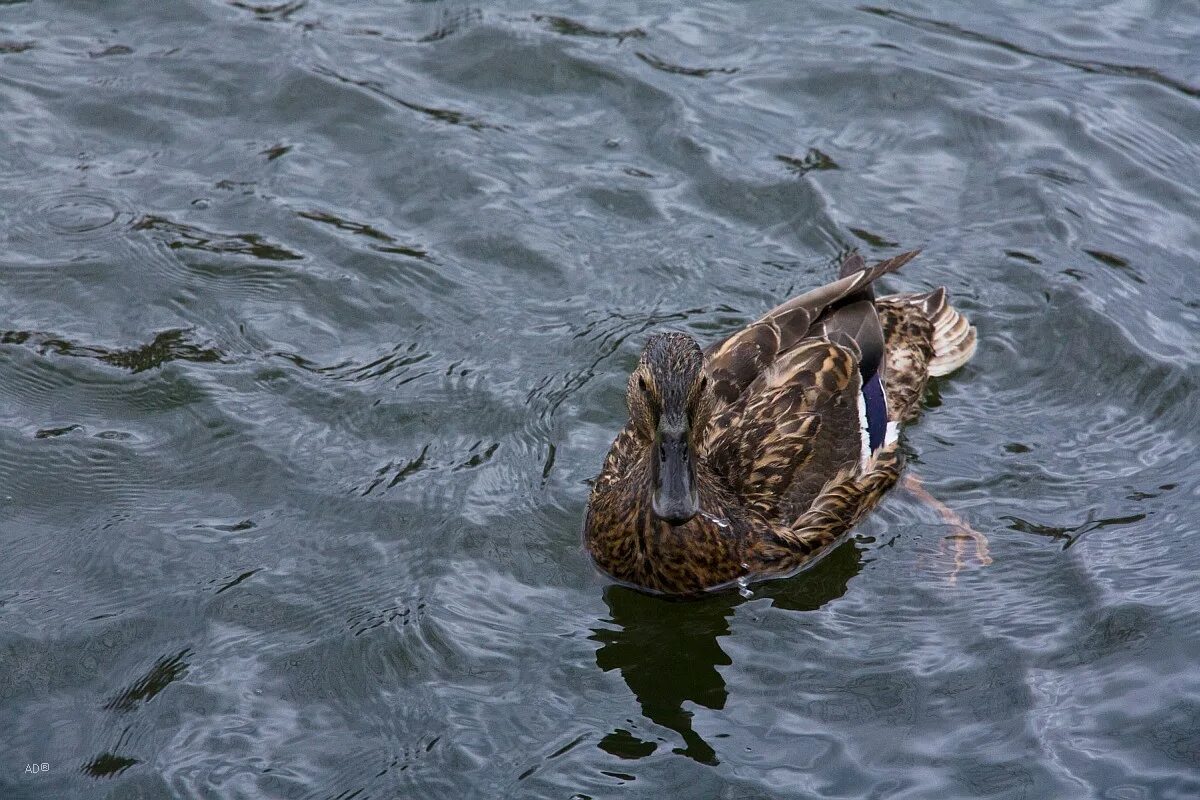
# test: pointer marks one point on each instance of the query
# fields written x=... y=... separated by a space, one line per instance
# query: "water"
x=315 y=320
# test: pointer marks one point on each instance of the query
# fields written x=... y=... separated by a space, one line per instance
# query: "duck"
x=750 y=459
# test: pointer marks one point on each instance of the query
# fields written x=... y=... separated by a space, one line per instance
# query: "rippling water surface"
x=315 y=320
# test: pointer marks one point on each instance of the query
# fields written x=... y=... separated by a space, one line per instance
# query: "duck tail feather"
x=954 y=338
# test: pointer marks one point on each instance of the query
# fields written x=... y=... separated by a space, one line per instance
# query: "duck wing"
x=791 y=430
x=734 y=363
x=789 y=392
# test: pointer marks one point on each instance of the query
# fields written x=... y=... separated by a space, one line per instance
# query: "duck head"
x=669 y=406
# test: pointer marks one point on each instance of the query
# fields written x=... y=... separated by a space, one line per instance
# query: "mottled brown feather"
x=908 y=337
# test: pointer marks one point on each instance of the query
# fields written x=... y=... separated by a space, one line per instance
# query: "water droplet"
x=744 y=587
x=720 y=522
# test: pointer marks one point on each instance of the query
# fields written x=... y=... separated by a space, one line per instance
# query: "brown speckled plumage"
x=770 y=419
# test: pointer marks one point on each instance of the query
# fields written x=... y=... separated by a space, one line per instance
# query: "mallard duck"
x=748 y=460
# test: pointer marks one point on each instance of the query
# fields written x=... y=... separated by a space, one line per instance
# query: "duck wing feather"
x=734 y=363
x=786 y=390
x=786 y=436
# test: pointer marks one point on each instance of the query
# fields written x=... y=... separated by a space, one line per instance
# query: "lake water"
x=315 y=320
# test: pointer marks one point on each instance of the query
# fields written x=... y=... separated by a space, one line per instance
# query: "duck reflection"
x=668 y=654
x=669 y=651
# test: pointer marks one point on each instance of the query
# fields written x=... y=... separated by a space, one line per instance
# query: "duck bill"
x=675 y=497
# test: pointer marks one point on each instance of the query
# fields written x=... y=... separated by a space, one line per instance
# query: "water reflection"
x=668 y=654
x=826 y=580
x=669 y=651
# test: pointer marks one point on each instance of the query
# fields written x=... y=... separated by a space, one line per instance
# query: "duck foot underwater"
x=962 y=534
x=750 y=459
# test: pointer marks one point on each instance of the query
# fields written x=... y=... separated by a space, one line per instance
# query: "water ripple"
x=570 y=27
x=1084 y=65
x=446 y=115
x=76 y=216
x=165 y=347
x=180 y=236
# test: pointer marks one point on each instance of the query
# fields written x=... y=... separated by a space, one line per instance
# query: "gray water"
x=315 y=320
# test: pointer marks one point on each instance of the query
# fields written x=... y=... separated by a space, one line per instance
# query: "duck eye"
x=642 y=383
x=703 y=382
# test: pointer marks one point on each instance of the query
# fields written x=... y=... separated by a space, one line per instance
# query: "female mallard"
x=750 y=459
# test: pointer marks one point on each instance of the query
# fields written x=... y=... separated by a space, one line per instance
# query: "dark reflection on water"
x=315 y=320
x=669 y=652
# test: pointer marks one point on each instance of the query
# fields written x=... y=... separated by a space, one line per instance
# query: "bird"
x=752 y=458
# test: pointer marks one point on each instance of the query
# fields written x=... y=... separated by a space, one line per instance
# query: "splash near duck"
x=750 y=459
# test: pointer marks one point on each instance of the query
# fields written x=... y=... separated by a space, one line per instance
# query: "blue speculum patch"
x=876 y=410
